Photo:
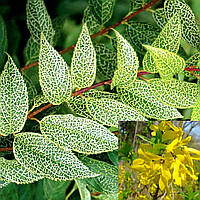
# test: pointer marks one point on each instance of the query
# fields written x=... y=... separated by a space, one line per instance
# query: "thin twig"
x=6 y=149
x=103 y=31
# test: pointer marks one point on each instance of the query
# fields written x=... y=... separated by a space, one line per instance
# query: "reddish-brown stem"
x=103 y=31
x=189 y=69
x=6 y=149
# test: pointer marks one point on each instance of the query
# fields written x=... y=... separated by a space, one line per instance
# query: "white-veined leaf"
x=78 y=104
x=90 y=20
x=38 y=101
x=179 y=94
x=39 y=21
x=12 y=171
x=83 y=66
x=138 y=95
x=160 y=17
x=102 y=9
x=127 y=63
x=41 y=157
x=78 y=134
x=167 y=63
x=190 y=29
x=196 y=111
x=13 y=99
x=108 y=174
x=113 y=196
x=83 y=191
x=54 y=74
x=3 y=183
x=168 y=39
x=109 y=112
x=137 y=4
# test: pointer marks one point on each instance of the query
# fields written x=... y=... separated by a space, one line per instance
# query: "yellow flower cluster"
x=174 y=163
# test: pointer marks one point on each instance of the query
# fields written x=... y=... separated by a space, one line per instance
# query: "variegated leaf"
x=108 y=174
x=138 y=33
x=3 y=184
x=179 y=94
x=160 y=17
x=113 y=196
x=38 y=20
x=102 y=9
x=127 y=63
x=166 y=62
x=196 y=110
x=138 y=95
x=92 y=23
x=190 y=29
x=38 y=101
x=169 y=39
x=43 y=158
x=54 y=74
x=13 y=99
x=83 y=67
x=78 y=134
x=83 y=191
x=78 y=104
x=109 y=112
x=12 y=171
x=106 y=60
x=137 y=4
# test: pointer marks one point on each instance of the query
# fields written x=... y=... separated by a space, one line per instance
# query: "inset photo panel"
x=159 y=160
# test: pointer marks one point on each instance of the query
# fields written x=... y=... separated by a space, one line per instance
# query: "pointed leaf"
x=102 y=9
x=127 y=62
x=160 y=17
x=109 y=112
x=83 y=191
x=167 y=63
x=168 y=39
x=139 y=33
x=78 y=104
x=79 y=134
x=179 y=94
x=12 y=171
x=83 y=67
x=13 y=99
x=38 y=20
x=41 y=157
x=137 y=95
x=190 y=30
x=92 y=23
x=106 y=60
x=108 y=177
x=54 y=74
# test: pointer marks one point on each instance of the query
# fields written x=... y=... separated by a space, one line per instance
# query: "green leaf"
x=166 y=62
x=83 y=66
x=190 y=30
x=84 y=192
x=137 y=4
x=3 y=184
x=160 y=17
x=54 y=74
x=127 y=63
x=12 y=171
x=78 y=104
x=113 y=155
x=138 y=95
x=55 y=190
x=41 y=157
x=13 y=99
x=6 y=142
x=78 y=134
x=168 y=39
x=139 y=33
x=113 y=196
x=31 y=51
x=102 y=9
x=106 y=60
x=92 y=23
x=39 y=21
x=108 y=178
x=179 y=94
x=38 y=101
x=109 y=112
x=3 y=41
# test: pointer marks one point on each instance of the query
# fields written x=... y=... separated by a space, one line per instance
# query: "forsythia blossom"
x=174 y=162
